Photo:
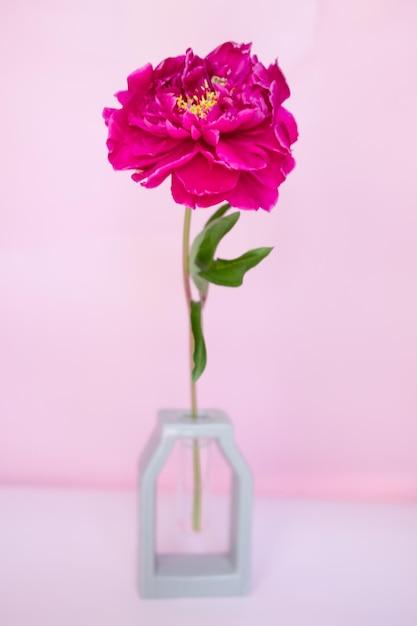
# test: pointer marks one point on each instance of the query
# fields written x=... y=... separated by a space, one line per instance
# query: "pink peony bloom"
x=216 y=125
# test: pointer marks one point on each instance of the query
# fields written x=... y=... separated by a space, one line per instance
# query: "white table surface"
x=68 y=558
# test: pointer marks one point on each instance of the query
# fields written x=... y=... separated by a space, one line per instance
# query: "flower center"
x=200 y=103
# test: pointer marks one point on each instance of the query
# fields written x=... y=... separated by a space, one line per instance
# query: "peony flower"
x=216 y=125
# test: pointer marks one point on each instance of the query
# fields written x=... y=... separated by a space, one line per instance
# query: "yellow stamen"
x=198 y=105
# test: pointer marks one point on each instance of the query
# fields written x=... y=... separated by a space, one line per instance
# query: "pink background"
x=314 y=358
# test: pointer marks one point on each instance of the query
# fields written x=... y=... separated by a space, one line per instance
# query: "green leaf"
x=212 y=234
x=230 y=273
x=199 y=354
x=201 y=284
x=205 y=244
x=219 y=213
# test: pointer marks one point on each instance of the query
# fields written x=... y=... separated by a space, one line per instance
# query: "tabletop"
x=69 y=558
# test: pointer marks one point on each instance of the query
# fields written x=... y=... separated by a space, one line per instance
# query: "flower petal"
x=163 y=165
x=140 y=79
x=186 y=198
x=200 y=176
x=241 y=154
x=250 y=194
x=285 y=128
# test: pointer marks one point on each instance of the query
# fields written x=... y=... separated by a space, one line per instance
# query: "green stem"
x=197 y=487
x=196 y=452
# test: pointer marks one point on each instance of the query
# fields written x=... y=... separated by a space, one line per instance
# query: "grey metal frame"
x=194 y=575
